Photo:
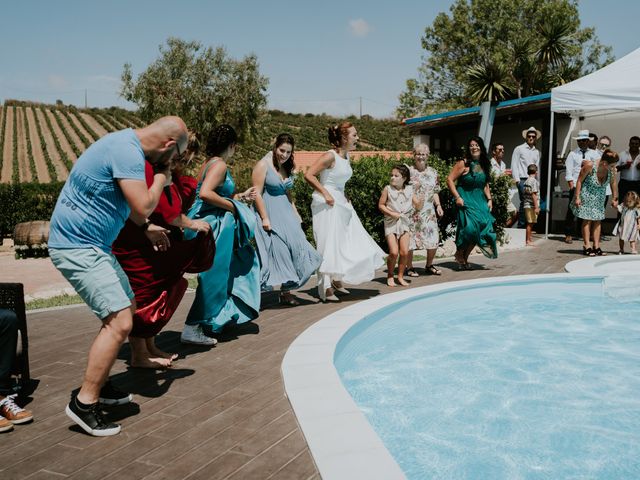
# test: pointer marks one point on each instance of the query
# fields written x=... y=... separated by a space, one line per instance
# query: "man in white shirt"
x=498 y=166
x=573 y=165
x=629 y=168
x=523 y=156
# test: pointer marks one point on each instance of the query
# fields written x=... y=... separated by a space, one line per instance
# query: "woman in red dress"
x=157 y=277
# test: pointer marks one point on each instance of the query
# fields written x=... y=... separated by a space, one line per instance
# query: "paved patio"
x=217 y=414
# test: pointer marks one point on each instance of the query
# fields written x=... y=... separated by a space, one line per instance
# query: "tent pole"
x=549 y=171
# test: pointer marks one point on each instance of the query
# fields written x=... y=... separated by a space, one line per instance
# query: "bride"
x=349 y=254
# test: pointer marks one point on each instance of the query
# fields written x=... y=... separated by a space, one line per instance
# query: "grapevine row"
x=2 y=135
x=84 y=124
x=27 y=132
x=85 y=141
x=43 y=144
x=63 y=155
x=15 y=176
x=63 y=129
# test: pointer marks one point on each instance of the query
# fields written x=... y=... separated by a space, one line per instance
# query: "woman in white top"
x=349 y=254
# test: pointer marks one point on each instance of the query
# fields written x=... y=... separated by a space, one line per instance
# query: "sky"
x=329 y=56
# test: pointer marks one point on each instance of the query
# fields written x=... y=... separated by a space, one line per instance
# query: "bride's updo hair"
x=338 y=133
x=219 y=139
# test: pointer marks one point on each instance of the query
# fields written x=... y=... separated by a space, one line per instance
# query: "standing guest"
x=10 y=413
x=468 y=182
x=425 y=233
x=531 y=202
x=397 y=202
x=628 y=226
x=599 y=147
x=105 y=187
x=349 y=254
x=157 y=278
x=229 y=292
x=523 y=156
x=288 y=259
x=499 y=167
x=588 y=203
x=573 y=166
x=629 y=168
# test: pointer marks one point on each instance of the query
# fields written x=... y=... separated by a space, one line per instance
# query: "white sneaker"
x=193 y=334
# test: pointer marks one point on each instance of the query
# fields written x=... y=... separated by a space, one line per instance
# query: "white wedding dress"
x=349 y=254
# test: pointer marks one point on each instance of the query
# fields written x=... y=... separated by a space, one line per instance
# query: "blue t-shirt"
x=91 y=209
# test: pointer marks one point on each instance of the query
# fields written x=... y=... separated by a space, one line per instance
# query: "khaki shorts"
x=96 y=276
x=530 y=215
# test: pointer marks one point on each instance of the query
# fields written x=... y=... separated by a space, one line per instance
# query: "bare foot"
x=403 y=282
x=391 y=282
x=530 y=244
x=153 y=363
x=154 y=351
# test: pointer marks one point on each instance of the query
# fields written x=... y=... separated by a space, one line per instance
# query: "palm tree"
x=488 y=81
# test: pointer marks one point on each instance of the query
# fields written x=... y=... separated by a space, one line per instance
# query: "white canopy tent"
x=612 y=90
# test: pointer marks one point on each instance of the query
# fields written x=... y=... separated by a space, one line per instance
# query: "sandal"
x=431 y=270
x=589 y=252
x=598 y=251
x=411 y=272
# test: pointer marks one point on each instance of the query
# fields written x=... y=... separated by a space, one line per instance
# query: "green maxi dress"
x=475 y=222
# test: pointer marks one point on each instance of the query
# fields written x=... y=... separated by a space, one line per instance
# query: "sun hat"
x=582 y=135
x=532 y=129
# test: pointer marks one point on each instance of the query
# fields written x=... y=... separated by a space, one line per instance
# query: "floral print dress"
x=425 y=234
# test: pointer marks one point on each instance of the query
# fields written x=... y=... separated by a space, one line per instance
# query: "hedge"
x=25 y=202
x=35 y=201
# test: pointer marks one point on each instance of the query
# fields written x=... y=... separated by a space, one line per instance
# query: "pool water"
x=525 y=381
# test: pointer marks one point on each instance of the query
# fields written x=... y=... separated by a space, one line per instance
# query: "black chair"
x=12 y=298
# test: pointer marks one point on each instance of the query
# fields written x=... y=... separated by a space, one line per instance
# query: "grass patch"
x=193 y=281
x=57 y=301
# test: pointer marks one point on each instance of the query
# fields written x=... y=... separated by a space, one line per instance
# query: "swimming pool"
x=460 y=381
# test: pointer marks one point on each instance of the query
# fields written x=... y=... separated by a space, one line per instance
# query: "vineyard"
x=39 y=143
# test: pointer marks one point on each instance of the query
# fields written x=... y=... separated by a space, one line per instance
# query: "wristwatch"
x=145 y=226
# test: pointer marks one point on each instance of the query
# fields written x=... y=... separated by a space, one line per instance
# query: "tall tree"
x=495 y=49
x=202 y=85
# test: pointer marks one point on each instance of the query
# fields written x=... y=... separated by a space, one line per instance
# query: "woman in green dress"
x=469 y=185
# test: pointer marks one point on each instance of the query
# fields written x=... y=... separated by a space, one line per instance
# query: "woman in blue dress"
x=229 y=292
x=287 y=258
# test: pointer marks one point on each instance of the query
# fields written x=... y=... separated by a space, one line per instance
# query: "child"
x=531 y=201
x=629 y=224
x=397 y=203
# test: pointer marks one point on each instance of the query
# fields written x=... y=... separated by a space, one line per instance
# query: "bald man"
x=105 y=187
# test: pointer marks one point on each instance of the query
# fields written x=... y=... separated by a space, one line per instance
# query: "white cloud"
x=359 y=27
x=57 y=82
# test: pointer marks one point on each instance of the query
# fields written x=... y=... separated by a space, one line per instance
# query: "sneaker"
x=5 y=425
x=194 y=335
x=91 y=420
x=110 y=395
x=12 y=412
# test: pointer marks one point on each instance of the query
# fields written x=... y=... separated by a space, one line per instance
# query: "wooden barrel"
x=31 y=233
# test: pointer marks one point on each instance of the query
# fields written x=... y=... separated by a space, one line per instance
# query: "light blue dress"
x=229 y=292
x=287 y=258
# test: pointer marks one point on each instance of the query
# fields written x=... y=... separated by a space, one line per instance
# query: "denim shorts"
x=96 y=276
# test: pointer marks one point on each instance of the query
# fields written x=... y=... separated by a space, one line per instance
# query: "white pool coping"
x=342 y=442
x=602 y=265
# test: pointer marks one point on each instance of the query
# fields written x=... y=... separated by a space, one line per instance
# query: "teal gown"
x=229 y=292
x=475 y=222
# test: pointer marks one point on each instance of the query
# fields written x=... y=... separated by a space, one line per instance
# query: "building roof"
x=305 y=159
x=466 y=114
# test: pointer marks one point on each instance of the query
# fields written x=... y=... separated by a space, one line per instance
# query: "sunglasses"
x=499 y=149
x=605 y=145
x=531 y=136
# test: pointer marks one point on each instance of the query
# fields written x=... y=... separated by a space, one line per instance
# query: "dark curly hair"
x=338 y=133
x=289 y=165
x=485 y=163
x=219 y=139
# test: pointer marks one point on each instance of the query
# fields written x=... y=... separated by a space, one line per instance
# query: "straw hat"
x=532 y=129
x=582 y=135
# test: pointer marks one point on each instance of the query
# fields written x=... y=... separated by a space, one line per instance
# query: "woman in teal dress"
x=469 y=185
x=588 y=200
x=229 y=292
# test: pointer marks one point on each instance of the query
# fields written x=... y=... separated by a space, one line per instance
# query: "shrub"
x=25 y=202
